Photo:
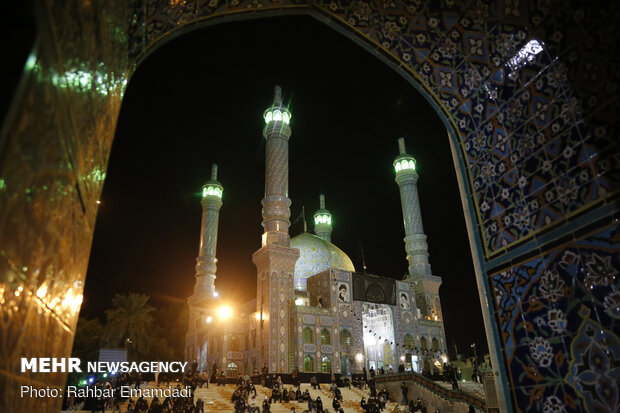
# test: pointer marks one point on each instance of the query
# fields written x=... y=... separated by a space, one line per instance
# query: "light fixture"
x=224 y=312
x=209 y=319
x=359 y=357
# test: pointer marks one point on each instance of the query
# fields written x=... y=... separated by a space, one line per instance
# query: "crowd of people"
x=244 y=397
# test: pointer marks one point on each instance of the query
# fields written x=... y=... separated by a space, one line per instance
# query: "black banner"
x=373 y=289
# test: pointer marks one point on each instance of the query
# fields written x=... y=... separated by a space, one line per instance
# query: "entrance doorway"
x=378 y=325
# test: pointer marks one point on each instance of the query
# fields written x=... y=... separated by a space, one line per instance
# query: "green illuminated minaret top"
x=404 y=162
x=277 y=113
x=323 y=221
x=213 y=187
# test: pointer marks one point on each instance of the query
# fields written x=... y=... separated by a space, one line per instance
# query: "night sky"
x=199 y=100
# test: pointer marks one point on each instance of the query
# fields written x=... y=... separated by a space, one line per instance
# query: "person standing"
x=405 y=391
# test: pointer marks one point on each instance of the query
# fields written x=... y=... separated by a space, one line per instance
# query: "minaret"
x=206 y=267
x=206 y=263
x=275 y=260
x=323 y=221
x=415 y=240
x=276 y=203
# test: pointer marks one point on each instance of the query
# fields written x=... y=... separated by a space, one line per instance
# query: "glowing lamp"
x=404 y=164
x=209 y=319
x=359 y=357
x=277 y=114
x=212 y=190
x=322 y=219
x=90 y=379
x=224 y=312
x=299 y=301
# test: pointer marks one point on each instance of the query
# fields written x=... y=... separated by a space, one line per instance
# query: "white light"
x=299 y=301
x=526 y=54
x=359 y=357
x=215 y=294
x=209 y=319
x=224 y=312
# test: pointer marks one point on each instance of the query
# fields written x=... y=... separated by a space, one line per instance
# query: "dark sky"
x=199 y=99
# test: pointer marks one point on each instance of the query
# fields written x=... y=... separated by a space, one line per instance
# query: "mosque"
x=313 y=310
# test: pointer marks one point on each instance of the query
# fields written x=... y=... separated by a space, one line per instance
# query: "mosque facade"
x=313 y=310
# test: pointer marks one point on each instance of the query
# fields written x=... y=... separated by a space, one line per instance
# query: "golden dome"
x=316 y=255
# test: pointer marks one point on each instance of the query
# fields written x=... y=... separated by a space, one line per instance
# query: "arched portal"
x=527 y=117
x=308 y=364
x=232 y=369
x=378 y=333
x=347 y=348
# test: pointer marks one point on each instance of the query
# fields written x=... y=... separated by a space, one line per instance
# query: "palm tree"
x=129 y=322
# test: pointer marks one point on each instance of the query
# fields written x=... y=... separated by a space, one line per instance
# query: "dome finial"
x=277 y=96
x=401 y=146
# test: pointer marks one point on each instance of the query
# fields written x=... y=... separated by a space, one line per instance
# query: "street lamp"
x=475 y=355
x=224 y=312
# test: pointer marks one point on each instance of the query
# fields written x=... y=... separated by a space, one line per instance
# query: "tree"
x=88 y=338
x=129 y=322
x=171 y=326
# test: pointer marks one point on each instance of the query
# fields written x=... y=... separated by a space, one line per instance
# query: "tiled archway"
x=526 y=89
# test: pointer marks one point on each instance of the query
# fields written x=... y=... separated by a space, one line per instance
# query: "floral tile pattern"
x=559 y=314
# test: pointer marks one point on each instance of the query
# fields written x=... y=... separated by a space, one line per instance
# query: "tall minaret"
x=415 y=240
x=206 y=263
x=206 y=267
x=323 y=221
x=275 y=260
x=276 y=203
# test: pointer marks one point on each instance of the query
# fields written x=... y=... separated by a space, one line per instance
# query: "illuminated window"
x=397 y=167
x=326 y=337
x=233 y=343
x=409 y=343
x=268 y=117
x=277 y=115
x=326 y=365
x=286 y=117
x=411 y=164
x=232 y=370
x=346 y=342
x=308 y=364
x=308 y=336
x=212 y=191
